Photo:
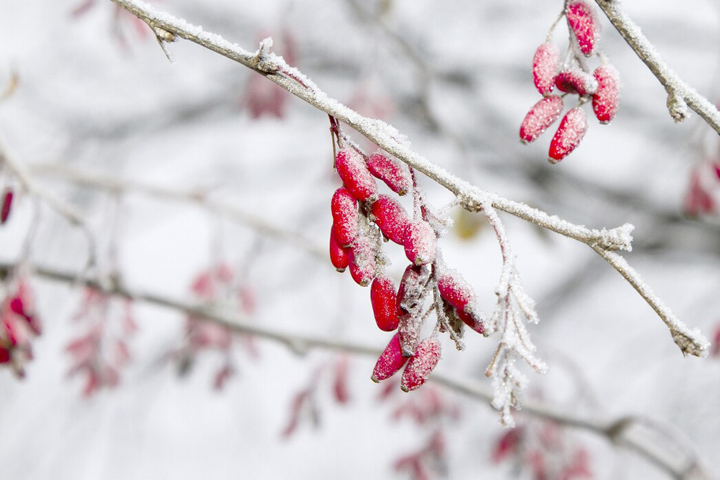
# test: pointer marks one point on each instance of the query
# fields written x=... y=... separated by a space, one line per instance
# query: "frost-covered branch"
x=392 y=141
x=680 y=94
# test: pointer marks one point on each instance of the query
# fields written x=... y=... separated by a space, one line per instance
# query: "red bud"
x=355 y=175
x=420 y=242
x=540 y=117
x=345 y=217
x=606 y=100
x=421 y=365
x=572 y=129
x=390 y=361
x=389 y=171
x=390 y=216
x=384 y=302
x=340 y=257
x=546 y=63
x=576 y=81
x=362 y=261
x=6 y=205
x=584 y=24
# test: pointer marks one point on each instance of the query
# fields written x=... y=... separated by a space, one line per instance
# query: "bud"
x=584 y=24
x=355 y=175
x=459 y=294
x=421 y=365
x=345 y=217
x=6 y=205
x=362 y=261
x=606 y=100
x=390 y=216
x=420 y=242
x=389 y=171
x=540 y=117
x=390 y=361
x=546 y=63
x=572 y=129
x=384 y=302
x=339 y=256
x=576 y=81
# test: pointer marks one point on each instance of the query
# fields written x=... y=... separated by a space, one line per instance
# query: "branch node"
x=677 y=107
x=260 y=60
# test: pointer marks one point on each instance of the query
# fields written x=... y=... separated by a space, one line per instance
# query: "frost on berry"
x=391 y=217
x=540 y=117
x=413 y=287
x=383 y=297
x=420 y=242
x=339 y=256
x=7 y=200
x=362 y=261
x=355 y=175
x=421 y=365
x=584 y=24
x=606 y=99
x=575 y=80
x=572 y=129
x=459 y=294
x=345 y=217
x=390 y=361
x=389 y=171
x=546 y=63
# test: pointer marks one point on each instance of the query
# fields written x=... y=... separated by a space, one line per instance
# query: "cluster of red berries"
x=362 y=217
x=571 y=76
x=19 y=324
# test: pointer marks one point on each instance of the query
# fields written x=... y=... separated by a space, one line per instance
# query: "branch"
x=680 y=94
x=392 y=141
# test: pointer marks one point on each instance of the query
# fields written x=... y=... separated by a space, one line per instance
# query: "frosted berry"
x=390 y=361
x=540 y=117
x=389 y=171
x=421 y=365
x=576 y=81
x=572 y=129
x=339 y=256
x=420 y=242
x=6 y=205
x=459 y=294
x=391 y=217
x=362 y=261
x=584 y=24
x=409 y=303
x=345 y=217
x=546 y=63
x=355 y=175
x=383 y=297
x=606 y=100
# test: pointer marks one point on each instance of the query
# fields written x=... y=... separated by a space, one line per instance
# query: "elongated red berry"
x=345 y=217
x=362 y=261
x=383 y=297
x=572 y=129
x=6 y=205
x=391 y=217
x=390 y=362
x=355 y=175
x=391 y=172
x=575 y=80
x=339 y=256
x=606 y=100
x=421 y=365
x=459 y=294
x=546 y=63
x=409 y=305
x=540 y=117
x=420 y=242
x=584 y=24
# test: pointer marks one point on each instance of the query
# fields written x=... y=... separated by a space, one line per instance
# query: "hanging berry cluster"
x=362 y=219
x=571 y=76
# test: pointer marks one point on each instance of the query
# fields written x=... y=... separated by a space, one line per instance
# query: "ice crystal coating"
x=6 y=205
x=389 y=171
x=420 y=242
x=606 y=99
x=584 y=24
x=355 y=175
x=391 y=217
x=575 y=80
x=546 y=63
x=409 y=302
x=421 y=365
x=540 y=117
x=362 y=261
x=339 y=256
x=345 y=217
x=390 y=361
x=459 y=294
x=383 y=297
x=572 y=129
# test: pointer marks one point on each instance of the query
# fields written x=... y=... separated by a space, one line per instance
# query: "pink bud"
x=340 y=257
x=384 y=302
x=572 y=129
x=362 y=261
x=420 y=242
x=389 y=171
x=576 y=81
x=390 y=216
x=355 y=175
x=6 y=205
x=584 y=24
x=606 y=100
x=540 y=117
x=419 y=367
x=390 y=361
x=345 y=217
x=546 y=63
x=458 y=293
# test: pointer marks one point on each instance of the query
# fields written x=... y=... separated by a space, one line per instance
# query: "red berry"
x=421 y=365
x=5 y=355
x=390 y=361
x=355 y=175
x=576 y=81
x=584 y=24
x=420 y=242
x=459 y=294
x=383 y=297
x=546 y=63
x=389 y=171
x=390 y=216
x=339 y=256
x=606 y=100
x=572 y=129
x=6 y=205
x=362 y=261
x=540 y=117
x=345 y=217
